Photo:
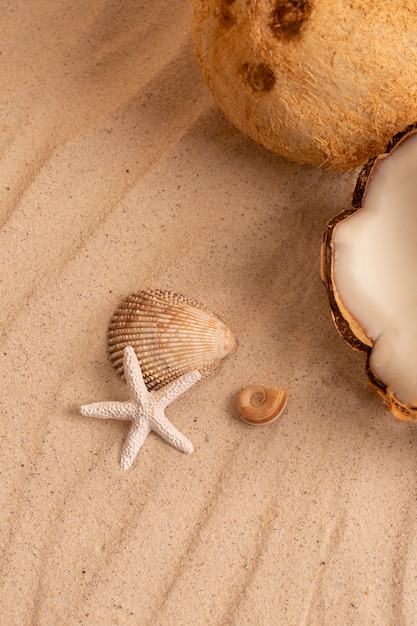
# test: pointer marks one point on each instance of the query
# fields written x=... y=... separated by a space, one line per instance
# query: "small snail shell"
x=260 y=405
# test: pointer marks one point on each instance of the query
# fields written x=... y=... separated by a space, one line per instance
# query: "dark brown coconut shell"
x=346 y=324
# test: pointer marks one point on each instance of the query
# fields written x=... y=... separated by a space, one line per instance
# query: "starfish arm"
x=108 y=410
x=133 y=375
x=177 y=387
x=133 y=442
x=161 y=425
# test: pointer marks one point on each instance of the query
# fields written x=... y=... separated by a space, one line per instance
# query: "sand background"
x=119 y=172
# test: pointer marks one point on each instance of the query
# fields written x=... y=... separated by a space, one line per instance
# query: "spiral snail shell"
x=259 y=405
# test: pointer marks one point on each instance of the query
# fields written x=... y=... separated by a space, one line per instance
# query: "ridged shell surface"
x=171 y=335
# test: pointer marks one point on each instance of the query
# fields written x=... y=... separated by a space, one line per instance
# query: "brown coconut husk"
x=346 y=324
x=322 y=82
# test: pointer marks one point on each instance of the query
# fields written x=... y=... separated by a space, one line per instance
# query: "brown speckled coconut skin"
x=320 y=82
x=344 y=322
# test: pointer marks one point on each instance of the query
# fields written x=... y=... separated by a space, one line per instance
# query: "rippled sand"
x=119 y=172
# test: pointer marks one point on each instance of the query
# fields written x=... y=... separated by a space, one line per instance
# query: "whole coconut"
x=324 y=82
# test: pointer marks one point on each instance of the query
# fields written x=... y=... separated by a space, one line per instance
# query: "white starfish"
x=145 y=409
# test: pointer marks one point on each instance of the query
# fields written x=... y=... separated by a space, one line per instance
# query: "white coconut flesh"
x=375 y=269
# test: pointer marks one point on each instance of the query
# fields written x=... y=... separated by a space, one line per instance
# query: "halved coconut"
x=369 y=267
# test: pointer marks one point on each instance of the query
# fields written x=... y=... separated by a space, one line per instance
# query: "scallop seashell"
x=171 y=335
x=259 y=405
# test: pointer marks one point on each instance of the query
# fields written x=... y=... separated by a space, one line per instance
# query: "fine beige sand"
x=119 y=172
